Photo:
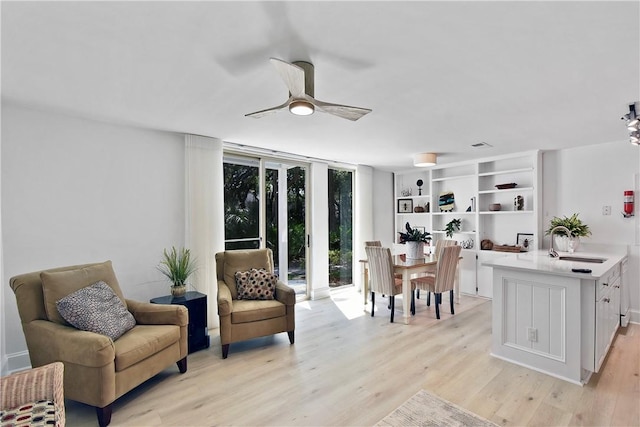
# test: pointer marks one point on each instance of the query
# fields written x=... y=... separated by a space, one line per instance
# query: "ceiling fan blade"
x=262 y=113
x=292 y=75
x=344 y=111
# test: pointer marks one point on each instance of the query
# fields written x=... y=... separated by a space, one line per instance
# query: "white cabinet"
x=607 y=313
x=472 y=185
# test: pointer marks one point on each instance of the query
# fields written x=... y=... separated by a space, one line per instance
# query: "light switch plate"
x=532 y=334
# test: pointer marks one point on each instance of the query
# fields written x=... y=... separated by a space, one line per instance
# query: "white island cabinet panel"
x=552 y=319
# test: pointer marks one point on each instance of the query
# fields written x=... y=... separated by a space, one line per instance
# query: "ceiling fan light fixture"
x=301 y=108
x=425 y=159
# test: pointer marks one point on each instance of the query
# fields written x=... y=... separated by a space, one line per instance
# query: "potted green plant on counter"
x=415 y=240
x=177 y=265
x=574 y=225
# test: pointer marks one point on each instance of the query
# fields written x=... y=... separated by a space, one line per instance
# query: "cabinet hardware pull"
x=607 y=300
x=605 y=284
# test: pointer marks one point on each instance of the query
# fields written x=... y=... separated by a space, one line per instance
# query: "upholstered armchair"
x=33 y=397
x=97 y=368
x=242 y=318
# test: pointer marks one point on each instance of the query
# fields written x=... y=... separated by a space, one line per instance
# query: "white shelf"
x=453 y=213
x=412 y=213
x=506 y=190
x=505 y=212
x=503 y=172
x=426 y=196
x=455 y=232
x=449 y=178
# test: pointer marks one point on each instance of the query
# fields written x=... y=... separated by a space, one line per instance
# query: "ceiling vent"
x=481 y=145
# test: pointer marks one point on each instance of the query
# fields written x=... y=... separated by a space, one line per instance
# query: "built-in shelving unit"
x=474 y=185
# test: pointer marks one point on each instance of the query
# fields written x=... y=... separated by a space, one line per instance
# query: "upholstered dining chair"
x=444 y=278
x=376 y=243
x=437 y=252
x=382 y=278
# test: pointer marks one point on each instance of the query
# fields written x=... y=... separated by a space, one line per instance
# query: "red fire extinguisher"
x=628 y=203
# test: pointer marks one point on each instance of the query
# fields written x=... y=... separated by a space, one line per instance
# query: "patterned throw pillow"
x=256 y=284
x=36 y=414
x=98 y=309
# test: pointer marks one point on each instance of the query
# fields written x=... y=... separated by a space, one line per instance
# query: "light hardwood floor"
x=348 y=369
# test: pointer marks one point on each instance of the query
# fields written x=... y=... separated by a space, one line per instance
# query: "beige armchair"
x=35 y=395
x=242 y=319
x=97 y=369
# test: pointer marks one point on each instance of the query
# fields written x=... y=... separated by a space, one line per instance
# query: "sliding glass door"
x=266 y=206
x=340 y=227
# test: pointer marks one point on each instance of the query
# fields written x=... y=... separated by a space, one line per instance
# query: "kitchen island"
x=552 y=319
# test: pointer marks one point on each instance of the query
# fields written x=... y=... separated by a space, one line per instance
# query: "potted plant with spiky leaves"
x=177 y=265
x=415 y=240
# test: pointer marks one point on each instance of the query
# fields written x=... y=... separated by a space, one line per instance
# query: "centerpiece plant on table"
x=415 y=240
x=177 y=265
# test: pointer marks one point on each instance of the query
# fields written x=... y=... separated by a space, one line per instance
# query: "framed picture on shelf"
x=420 y=229
x=525 y=241
x=405 y=205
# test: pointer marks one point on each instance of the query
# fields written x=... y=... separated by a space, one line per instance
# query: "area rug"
x=425 y=409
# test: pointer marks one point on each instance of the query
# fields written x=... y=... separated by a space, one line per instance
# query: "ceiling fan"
x=298 y=76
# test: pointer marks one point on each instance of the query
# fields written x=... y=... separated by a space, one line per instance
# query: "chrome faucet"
x=552 y=252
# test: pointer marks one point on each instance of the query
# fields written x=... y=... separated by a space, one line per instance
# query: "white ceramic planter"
x=415 y=250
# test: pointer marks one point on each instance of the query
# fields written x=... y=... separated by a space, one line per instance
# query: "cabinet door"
x=468 y=272
x=485 y=274
x=602 y=306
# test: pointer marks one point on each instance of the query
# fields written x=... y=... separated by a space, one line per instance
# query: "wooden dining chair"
x=382 y=278
x=444 y=278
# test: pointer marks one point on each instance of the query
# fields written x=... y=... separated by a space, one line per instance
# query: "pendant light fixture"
x=425 y=159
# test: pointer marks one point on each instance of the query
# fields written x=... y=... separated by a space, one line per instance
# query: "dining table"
x=408 y=268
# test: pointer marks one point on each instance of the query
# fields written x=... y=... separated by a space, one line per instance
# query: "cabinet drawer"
x=606 y=282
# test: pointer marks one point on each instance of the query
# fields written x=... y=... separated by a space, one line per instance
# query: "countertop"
x=540 y=261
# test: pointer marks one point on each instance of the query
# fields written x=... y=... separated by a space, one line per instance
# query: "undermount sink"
x=582 y=259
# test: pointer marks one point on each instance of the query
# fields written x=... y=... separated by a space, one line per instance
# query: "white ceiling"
x=439 y=76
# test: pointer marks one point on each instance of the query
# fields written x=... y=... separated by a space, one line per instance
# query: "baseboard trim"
x=320 y=293
x=18 y=362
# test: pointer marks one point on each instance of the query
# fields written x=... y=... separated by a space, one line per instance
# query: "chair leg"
x=104 y=415
x=413 y=304
x=292 y=337
x=225 y=350
x=392 y=304
x=418 y=293
x=451 y=298
x=182 y=365
x=437 y=303
x=428 y=298
x=373 y=302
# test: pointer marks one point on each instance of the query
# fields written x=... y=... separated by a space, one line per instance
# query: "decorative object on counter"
x=406 y=192
x=486 y=245
x=177 y=265
x=452 y=226
x=405 y=205
x=525 y=240
x=467 y=244
x=518 y=203
x=446 y=201
x=505 y=186
x=414 y=238
x=418 y=209
x=576 y=227
x=507 y=248
x=419 y=184
x=495 y=207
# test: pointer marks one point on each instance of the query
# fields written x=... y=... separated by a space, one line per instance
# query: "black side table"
x=196 y=303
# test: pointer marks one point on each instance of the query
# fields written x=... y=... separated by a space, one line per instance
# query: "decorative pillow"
x=98 y=309
x=256 y=284
x=36 y=414
x=57 y=284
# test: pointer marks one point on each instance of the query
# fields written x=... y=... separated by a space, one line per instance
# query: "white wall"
x=77 y=191
x=383 y=208
x=319 y=248
x=583 y=180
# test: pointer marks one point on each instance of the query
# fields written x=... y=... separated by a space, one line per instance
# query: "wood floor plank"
x=349 y=369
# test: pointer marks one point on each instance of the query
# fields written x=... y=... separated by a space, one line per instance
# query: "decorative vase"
x=178 y=291
x=415 y=250
x=561 y=243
